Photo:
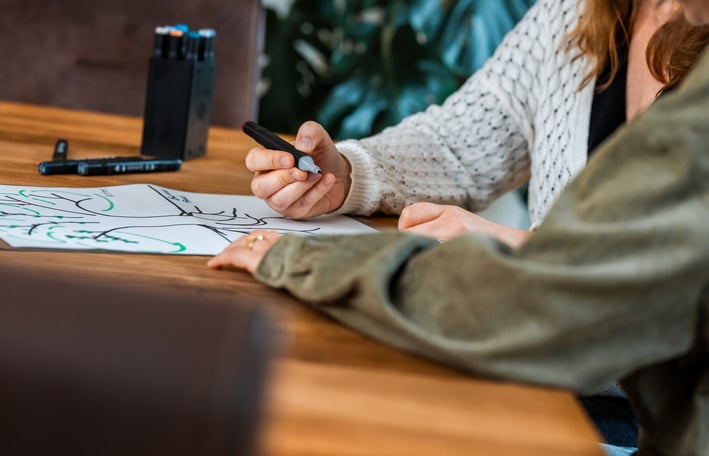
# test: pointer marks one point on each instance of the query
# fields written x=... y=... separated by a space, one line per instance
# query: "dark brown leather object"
x=104 y=369
x=93 y=54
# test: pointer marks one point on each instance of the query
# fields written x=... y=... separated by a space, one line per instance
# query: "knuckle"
x=284 y=179
x=404 y=215
x=252 y=160
x=258 y=188
x=299 y=208
x=279 y=203
x=297 y=212
x=279 y=161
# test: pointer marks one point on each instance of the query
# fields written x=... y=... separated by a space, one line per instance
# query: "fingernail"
x=304 y=144
x=285 y=162
x=329 y=179
x=297 y=175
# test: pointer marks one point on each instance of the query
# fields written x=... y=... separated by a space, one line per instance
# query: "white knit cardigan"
x=519 y=118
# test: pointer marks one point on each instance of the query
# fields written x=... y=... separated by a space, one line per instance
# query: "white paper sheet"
x=143 y=218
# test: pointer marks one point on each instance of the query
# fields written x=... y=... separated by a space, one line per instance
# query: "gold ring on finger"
x=251 y=240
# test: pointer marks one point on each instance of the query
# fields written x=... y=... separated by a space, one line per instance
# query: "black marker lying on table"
x=64 y=166
x=103 y=165
x=109 y=165
x=270 y=140
x=125 y=166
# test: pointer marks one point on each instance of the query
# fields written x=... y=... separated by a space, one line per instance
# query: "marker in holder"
x=178 y=103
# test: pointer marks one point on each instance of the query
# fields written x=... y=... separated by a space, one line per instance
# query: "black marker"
x=206 y=43
x=72 y=166
x=159 y=40
x=270 y=140
x=61 y=150
x=137 y=165
x=192 y=46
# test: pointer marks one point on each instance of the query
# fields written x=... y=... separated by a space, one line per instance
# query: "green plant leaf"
x=297 y=53
x=466 y=32
x=382 y=92
x=360 y=66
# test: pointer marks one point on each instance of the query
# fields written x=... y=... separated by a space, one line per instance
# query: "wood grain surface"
x=334 y=391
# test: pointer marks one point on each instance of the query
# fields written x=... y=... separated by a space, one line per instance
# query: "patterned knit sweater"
x=519 y=118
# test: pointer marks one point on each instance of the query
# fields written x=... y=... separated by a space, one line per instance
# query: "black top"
x=612 y=416
x=608 y=108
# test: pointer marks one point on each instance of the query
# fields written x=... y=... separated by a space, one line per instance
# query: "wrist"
x=515 y=237
x=360 y=186
x=343 y=183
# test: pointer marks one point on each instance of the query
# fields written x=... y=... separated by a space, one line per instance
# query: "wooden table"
x=335 y=392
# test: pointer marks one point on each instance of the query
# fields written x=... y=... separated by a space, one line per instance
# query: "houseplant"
x=360 y=66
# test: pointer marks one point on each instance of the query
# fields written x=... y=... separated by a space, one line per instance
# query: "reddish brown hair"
x=674 y=49
x=605 y=27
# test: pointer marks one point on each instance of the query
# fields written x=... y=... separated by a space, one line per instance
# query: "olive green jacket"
x=613 y=286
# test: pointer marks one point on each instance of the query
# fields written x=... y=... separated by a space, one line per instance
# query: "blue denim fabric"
x=614 y=419
x=612 y=450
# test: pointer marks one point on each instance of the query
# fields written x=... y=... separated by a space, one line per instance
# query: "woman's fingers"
x=245 y=252
x=418 y=214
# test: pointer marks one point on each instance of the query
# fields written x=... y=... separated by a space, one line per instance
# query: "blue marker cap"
x=192 y=46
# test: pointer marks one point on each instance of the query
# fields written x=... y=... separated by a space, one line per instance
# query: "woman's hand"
x=246 y=252
x=298 y=194
x=446 y=222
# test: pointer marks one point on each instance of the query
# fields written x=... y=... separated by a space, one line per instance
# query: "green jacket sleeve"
x=611 y=281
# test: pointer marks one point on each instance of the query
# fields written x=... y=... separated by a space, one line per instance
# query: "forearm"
x=610 y=282
x=441 y=155
x=473 y=304
x=607 y=283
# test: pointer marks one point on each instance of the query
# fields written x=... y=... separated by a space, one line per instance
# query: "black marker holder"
x=178 y=107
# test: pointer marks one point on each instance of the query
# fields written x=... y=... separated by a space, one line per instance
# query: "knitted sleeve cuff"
x=362 y=198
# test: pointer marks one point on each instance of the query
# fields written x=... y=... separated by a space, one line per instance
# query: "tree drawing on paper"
x=142 y=218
